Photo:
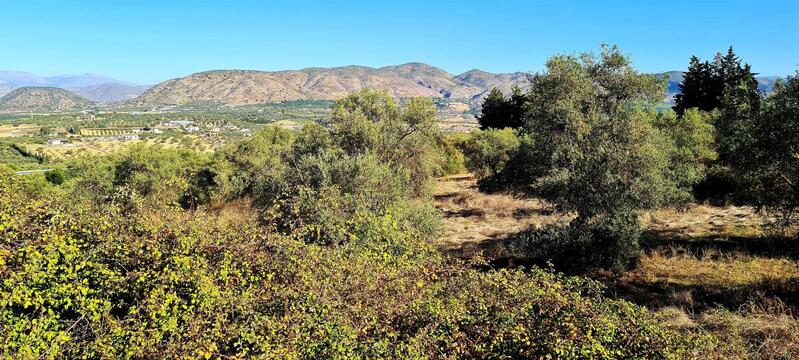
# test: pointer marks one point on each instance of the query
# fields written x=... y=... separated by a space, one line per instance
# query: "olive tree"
x=597 y=155
x=403 y=136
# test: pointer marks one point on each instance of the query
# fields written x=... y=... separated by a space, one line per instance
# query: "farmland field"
x=18 y=130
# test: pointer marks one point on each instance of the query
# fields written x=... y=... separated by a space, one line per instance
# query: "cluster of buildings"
x=186 y=126
x=190 y=127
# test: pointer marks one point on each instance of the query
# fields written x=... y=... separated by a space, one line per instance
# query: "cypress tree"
x=501 y=112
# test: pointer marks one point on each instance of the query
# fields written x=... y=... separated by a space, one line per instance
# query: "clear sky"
x=148 y=41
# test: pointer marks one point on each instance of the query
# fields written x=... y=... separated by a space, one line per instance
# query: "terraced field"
x=18 y=130
x=105 y=147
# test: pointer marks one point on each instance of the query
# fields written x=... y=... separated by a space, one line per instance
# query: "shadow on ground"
x=691 y=292
x=700 y=246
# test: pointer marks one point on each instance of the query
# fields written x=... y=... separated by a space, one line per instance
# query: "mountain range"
x=94 y=87
x=248 y=87
x=244 y=87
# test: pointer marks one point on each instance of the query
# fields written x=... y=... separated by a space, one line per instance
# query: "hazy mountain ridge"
x=92 y=86
x=111 y=92
x=42 y=99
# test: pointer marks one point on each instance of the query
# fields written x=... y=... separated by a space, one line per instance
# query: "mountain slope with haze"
x=92 y=86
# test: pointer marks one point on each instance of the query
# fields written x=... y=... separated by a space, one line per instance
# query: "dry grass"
x=476 y=221
x=700 y=220
x=714 y=268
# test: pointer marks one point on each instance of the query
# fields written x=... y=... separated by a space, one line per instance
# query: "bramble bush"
x=89 y=281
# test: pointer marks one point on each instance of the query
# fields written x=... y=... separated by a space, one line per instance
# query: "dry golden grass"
x=716 y=268
x=473 y=219
x=700 y=220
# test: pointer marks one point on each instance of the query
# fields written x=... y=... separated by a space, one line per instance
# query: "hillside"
x=243 y=87
x=42 y=99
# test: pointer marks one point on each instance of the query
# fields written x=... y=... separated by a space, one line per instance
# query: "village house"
x=177 y=123
x=57 y=141
x=86 y=116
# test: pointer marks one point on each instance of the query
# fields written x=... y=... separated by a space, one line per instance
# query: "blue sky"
x=149 y=41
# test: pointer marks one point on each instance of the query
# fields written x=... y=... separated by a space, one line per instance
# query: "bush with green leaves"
x=305 y=182
x=239 y=166
x=175 y=177
x=454 y=159
x=608 y=242
x=487 y=151
x=403 y=136
x=691 y=147
x=770 y=169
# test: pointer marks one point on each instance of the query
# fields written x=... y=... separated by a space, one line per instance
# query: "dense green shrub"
x=770 y=168
x=173 y=177
x=237 y=167
x=691 y=147
x=78 y=282
x=487 y=151
x=407 y=137
x=454 y=160
x=605 y=242
x=56 y=176
x=306 y=183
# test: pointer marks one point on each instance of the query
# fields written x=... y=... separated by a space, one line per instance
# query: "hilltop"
x=42 y=99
